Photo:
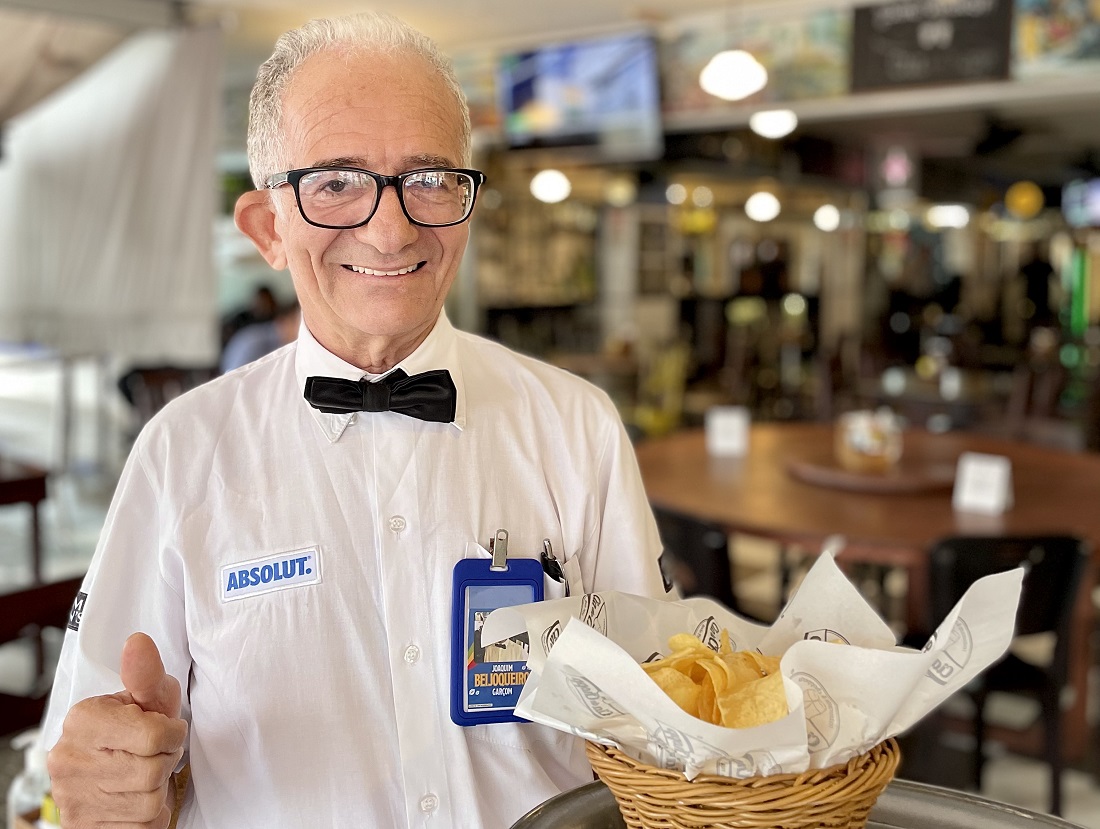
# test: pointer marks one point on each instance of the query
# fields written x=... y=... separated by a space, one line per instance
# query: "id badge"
x=487 y=677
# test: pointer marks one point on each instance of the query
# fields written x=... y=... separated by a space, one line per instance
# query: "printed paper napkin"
x=848 y=685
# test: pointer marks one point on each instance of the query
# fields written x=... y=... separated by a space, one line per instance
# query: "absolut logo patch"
x=265 y=575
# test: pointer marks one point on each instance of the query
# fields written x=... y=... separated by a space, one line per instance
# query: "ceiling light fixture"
x=702 y=196
x=1024 y=199
x=621 y=191
x=762 y=206
x=551 y=186
x=733 y=75
x=948 y=215
x=676 y=193
x=827 y=218
x=773 y=123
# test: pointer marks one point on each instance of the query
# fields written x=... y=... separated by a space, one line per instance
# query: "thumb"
x=144 y=677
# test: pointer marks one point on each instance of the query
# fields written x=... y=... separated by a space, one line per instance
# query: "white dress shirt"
x=318 y=695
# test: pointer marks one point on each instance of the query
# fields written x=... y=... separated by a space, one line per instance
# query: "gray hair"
x=367 y=32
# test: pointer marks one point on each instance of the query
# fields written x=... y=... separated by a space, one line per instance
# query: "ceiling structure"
x=1048 y=131
x=42 y=52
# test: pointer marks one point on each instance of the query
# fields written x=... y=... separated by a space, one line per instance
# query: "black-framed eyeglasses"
x=339 y=198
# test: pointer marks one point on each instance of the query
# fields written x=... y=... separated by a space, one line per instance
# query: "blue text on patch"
x=271 y=573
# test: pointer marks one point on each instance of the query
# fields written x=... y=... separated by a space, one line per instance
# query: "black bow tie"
x=428 y=396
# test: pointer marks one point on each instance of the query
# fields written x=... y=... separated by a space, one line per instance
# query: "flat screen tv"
x=1081 y=203
x=601 y=94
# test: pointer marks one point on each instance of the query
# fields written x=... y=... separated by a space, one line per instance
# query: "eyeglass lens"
x=345 y=198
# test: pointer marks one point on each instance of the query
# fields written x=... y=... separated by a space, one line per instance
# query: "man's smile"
x=374 y=272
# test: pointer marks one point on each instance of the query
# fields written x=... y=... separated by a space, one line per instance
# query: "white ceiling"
x=42 y=52
x=1059 y=122
x=458 y=24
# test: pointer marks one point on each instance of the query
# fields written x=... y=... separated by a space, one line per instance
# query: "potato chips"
x=736 y=689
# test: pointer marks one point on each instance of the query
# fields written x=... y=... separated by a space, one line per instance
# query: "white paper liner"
x=843 y=698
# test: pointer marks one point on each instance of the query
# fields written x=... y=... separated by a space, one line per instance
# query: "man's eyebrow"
x=412 y=162
x=340 y=162
x=415 y=161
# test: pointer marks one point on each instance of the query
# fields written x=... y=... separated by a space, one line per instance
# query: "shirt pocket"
x=522 y=736
x=572 y=568
x=570 y=585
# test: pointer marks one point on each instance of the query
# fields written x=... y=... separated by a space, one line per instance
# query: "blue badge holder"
x=486 y=678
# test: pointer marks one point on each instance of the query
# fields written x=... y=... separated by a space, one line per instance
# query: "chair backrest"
x=1054 y=567
x=150 y=388
x=42 y=605
x=1036 y=390
x=1091 y=413
x=26 y=612
x=700 y=556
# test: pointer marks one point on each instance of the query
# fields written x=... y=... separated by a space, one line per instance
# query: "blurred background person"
x=262 y=308
x=260 y=338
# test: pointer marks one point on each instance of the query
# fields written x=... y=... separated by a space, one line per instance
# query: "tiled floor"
x=74 y=511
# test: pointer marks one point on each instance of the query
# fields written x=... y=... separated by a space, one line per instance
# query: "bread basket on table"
x=834 y=797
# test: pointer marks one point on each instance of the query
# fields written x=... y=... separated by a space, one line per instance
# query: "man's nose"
x=389 y=229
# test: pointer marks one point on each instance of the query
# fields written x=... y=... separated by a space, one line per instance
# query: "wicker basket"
x=839 y=796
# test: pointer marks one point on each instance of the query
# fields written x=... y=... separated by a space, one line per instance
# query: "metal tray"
x=904 y=805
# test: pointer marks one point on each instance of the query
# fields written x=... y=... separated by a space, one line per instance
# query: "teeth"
x=371 y=272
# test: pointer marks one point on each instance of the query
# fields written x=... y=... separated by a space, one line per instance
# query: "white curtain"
x=108 y=195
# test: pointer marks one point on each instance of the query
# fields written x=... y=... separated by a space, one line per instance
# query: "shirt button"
x=429 y=803
x=412 y=654
x=397 y=523
x=353 y=419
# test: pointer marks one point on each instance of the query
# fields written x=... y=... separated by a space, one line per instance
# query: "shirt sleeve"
x=134 y=583
x=625 y=540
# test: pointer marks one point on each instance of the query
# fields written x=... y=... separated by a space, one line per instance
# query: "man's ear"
x=255 y=217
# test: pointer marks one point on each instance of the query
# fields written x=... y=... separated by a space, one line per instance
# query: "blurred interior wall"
x=107 y=201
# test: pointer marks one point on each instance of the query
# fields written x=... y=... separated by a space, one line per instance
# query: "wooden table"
x=1055 y=491
x=25 y=484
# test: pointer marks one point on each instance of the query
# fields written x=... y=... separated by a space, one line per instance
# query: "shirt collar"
x=439 y=350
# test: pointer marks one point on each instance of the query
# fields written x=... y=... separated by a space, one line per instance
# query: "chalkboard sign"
x=927 y=42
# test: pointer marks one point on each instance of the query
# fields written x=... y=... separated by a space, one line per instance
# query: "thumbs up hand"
x=117 y=752
x=144 y=678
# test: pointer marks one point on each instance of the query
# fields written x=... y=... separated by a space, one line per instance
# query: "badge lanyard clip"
x=498 y=546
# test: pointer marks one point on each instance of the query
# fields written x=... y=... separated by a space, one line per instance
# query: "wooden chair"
x=696 y=556
x=1037 y=390
x=1091 y=414
x=1054 y=567
x=23 y=615
x=149 y=388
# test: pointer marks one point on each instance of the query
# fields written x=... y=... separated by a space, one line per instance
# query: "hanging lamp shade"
x=773 y=123
x=551 y=186
x=732 y=75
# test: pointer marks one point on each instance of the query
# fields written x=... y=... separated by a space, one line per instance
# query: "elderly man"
x=291 y=559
